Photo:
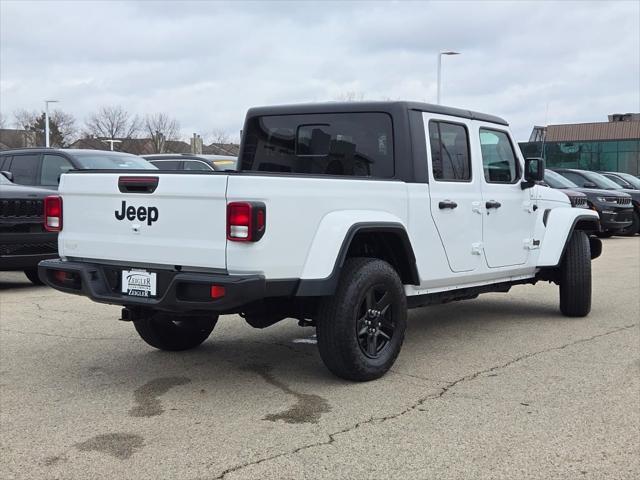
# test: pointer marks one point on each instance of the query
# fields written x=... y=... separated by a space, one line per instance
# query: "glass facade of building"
x=609 y=155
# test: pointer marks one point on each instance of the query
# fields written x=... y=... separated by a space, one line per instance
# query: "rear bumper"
x=177 y=291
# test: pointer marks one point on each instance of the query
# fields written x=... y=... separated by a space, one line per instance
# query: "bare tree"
x=62 y=126
x=112 y=121
x=219 y=136
x=350 y=96
x=23 y=119
x=161 y=128
x=3 y=121
x=66 y=124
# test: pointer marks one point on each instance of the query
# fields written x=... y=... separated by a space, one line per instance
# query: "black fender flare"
x=327 y=286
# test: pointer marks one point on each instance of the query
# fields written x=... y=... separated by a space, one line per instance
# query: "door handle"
x=447 y=204
x=492 y=204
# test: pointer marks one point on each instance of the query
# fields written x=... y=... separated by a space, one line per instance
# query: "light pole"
x=46 y=120
x=440 y=54
x=111 y=142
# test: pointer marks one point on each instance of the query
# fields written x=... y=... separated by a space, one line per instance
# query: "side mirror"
x=533 y=172
x=589 y=185
x=7 y=174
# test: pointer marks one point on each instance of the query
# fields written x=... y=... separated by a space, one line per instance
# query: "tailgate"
x=122 y=217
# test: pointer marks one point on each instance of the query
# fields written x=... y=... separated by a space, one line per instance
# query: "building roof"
x=593 y=131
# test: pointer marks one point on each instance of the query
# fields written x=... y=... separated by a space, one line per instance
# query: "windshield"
x=601 y=181
x=555 y=180
x=108 y=161
x=630 y=179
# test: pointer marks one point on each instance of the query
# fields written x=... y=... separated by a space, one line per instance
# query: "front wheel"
x=166 y=332
x=575 y=277
x=361 y=328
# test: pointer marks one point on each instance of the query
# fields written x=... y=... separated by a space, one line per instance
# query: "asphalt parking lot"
x=498 y=387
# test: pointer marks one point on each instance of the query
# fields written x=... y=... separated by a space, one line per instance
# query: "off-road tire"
x=32 y=275
x=167 y=332
x=339 y=316
x=575 y=277
x=634 y=228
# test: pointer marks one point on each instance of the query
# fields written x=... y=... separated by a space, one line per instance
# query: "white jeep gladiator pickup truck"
x=341 y=215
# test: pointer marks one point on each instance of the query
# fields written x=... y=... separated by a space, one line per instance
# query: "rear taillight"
x=246 y=221
x=53 y=213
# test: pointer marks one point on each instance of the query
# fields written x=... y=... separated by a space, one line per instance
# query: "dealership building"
x=607 y=146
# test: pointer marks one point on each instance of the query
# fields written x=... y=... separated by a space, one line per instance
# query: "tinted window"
x=166 y=164
x=196 y=165
x=52 y=167
x=25 y=169
x=111 y=160
x=555 y=180
x=575 y=178
x=499 y=160
x=450 y=159
x=354 y=144
x=5 y=160
x=618 y=180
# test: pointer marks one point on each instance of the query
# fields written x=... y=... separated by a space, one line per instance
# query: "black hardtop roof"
x=388 y=107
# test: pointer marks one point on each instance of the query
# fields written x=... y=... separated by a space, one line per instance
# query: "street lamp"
x=46 y=120
x=440 y=54
x=111 y=142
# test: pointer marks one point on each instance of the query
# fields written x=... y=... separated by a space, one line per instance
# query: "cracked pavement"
x=498 y=387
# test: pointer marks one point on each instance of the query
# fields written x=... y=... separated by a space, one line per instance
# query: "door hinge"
x=531 y=244
x=476 y=248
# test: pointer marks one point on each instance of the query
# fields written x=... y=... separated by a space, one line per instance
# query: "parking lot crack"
x=419 y=403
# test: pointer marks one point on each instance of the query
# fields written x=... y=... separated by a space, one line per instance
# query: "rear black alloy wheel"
x=166 y=332
x=361 y=327
x=375 y=326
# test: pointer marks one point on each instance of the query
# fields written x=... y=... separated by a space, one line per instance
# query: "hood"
x=572 y=193
x=16 y=191
x=635 y=194
x=601 y=192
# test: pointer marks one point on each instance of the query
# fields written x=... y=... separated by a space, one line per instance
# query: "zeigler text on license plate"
x=139 y=283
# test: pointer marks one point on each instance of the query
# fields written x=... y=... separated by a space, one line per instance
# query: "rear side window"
x=499 y=160
x=196 y=165
x=352 y=144
x=25 y=169
x=450 y=158
x=52 y=167
x=166 y=164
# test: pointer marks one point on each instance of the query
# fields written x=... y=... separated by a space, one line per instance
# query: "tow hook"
x=131 y=314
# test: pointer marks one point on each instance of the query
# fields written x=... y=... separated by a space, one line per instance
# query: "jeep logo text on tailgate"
x=150 y=214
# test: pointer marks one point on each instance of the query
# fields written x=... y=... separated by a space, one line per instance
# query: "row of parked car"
x=29 y=175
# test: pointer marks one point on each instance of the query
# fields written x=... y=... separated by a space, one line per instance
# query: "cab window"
x=450 y=159
x=499 y=160
x=25 y=168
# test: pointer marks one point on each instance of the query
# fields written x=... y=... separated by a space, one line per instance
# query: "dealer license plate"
x=139 y=283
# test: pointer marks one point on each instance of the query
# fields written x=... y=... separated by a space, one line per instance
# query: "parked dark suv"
x=625 y=180
x=23 y=238
x=43 y=166
x=619 y=206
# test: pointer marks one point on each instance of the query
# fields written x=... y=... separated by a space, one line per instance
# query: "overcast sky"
x=205 y=63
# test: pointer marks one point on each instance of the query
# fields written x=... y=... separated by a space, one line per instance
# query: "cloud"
x=205 y=63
